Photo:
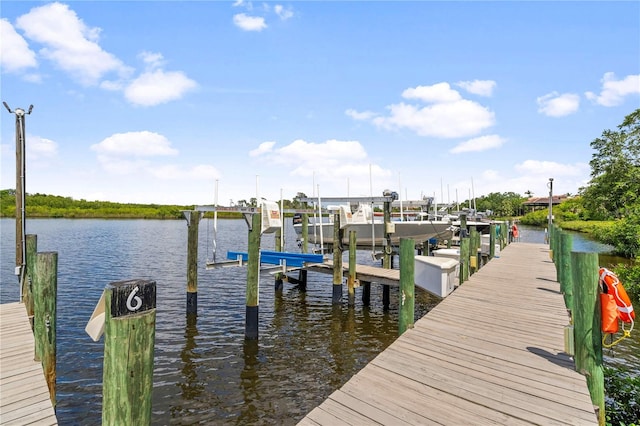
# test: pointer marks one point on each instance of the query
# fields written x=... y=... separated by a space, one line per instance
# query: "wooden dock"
x=364 y=273
x=492 y=352
x=24 y=395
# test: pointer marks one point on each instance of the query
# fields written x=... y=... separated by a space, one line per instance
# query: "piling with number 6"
x=129 y=337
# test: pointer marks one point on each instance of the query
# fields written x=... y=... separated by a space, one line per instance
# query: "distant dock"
x=492 y=352
x=24 y=395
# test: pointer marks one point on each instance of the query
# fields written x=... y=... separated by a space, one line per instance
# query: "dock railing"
x=578 y=275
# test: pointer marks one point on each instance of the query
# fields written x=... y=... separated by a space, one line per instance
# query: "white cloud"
x=445 y=120
x=478 y=87
x=332 y=163
x=448 y=116
x=614 y=91
x=152 y=60
x=264 y=148
x=158 y=87
x=558 y=105
x=135 y=144
x=437 y=93
x=15 y=54
x=249 y=23
x=283 y=13
x=39 y=148
x=551 y=168
x=69 y=43
x=481 y=143
x=132 y=153
x=360 y=116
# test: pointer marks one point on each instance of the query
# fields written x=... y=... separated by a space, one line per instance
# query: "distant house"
x=539 y=203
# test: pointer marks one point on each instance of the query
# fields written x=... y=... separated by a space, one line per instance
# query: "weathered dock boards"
x=492 y=352
x=24 y=395
x=363 y=273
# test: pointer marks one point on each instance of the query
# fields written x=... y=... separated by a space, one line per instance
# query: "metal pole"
x=550 y=218
x=20 y=194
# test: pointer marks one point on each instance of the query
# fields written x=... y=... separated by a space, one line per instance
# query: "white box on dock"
x=485 y=242
x=448 y=253
x=437 y=275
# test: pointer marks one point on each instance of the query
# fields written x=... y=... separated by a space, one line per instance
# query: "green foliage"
x=622 y=397
x=623 y=235
x=614 y=188
x=501 y=204
x=571 y=209
x=536 y=218
x=593 y=227
x=41 y=205
x=629 y=275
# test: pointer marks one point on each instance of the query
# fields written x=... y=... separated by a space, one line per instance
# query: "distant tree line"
x=42 y=205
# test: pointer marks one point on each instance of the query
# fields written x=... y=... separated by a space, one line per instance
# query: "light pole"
x=550 y=218
x=21 y=246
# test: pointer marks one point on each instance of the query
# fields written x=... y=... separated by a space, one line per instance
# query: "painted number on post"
x=132 y=297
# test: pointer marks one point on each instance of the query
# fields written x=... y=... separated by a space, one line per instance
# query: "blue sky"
x=156 y=101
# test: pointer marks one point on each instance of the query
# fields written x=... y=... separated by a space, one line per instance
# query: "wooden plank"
x=24 y=395
x=492 y=352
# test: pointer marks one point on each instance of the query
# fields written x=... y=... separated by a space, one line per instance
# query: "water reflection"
x=250 y=383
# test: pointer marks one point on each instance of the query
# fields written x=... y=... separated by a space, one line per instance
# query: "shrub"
x=622 y=397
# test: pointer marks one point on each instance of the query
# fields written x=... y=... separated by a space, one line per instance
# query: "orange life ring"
x=610 y=284
x=514 y=231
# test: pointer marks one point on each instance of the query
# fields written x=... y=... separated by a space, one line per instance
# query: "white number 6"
x=132 y=295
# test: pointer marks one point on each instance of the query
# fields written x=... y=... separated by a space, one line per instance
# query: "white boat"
x=370 y=230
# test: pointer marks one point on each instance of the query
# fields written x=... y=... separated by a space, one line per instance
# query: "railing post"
x=129 y=338
x=566 y=277
x=193 y=220
x=407 y=285
x=492 y=240
x=45 y=291
x=305 y=233
x=27 y=285
x=464 y=259
x=337 y=260
x=352 y=268
x=587 y=318
x=253 y=278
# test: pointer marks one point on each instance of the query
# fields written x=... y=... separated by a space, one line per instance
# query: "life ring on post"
x=615 y=305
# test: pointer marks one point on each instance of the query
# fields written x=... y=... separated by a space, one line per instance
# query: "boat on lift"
x=371 y=230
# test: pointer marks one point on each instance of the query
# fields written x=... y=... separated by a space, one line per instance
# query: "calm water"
x=204 y=371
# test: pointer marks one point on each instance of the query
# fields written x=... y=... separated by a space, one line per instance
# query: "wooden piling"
x=337 y=260
x=253 y=276
x=279 y=282
x=45 y=291
x=366 y=293
x=474 y=240
x=557 y=252
x=587 y=318
x=566 y=277
x=193 y=220
x=464 y=259
x=407 y=285
x=351 y=281
x=129 y=338
x=305 y=233
x=27 y=285
x=492 y=241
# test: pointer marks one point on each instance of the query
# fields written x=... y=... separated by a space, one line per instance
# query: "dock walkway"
x=492 y=352
x=24 y=395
